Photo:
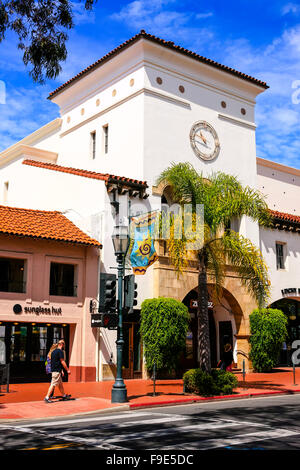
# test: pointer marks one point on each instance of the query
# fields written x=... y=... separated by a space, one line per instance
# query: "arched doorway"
x=222 y=328
x=291 y=308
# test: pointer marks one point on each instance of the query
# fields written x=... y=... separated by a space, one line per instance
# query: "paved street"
x=260 y=423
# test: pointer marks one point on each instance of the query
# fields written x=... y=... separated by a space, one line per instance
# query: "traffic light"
x=130 y=293
x=107 y=301
x=109 y=320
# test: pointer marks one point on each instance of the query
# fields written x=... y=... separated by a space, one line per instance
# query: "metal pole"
x=119 y=391
x=294 y=374
x=244 y=373
x=154 y=378
x=8 y=378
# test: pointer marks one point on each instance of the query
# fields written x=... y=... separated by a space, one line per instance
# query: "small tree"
x=164 y=325
x=224 y=198
x=268 y=332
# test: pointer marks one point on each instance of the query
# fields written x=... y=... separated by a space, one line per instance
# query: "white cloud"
x=290 y=8
x=201 y=16
x=277 y=114
x=81 y=15
x=25 y=110
x=157 y=17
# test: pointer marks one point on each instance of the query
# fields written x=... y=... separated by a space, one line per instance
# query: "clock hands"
x=202 y=137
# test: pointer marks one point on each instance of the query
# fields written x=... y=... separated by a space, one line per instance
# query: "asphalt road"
x=247 y=424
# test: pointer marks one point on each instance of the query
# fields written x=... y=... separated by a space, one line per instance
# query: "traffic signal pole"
x=119 y=391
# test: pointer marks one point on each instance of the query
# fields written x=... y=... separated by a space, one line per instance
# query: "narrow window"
x=62 y=277
x=93 y=145
x=105 y=134
x=280 y=256
x=5 y=192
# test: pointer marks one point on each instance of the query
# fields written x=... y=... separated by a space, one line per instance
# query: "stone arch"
x=168 y=284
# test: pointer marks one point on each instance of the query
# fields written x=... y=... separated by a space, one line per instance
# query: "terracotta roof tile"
x=49 y=225
x=86 y=173
x=284 y=216
x=162 y=42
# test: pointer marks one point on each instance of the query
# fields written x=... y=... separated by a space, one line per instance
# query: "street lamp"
x=120 y=239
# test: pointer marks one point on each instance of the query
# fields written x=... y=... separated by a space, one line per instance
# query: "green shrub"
x=164 y=325
x=268 y=332
x=218 y=382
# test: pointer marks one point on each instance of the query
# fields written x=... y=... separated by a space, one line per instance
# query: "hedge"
x=164 y=325
x=268 y=331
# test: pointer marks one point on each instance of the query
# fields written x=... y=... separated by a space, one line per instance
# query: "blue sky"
x=257 y=37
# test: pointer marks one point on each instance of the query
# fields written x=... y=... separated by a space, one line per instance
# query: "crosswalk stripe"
x=232 y=441
x=169 y=419
x=118 y=441
x=107 y=417
x=178 y=430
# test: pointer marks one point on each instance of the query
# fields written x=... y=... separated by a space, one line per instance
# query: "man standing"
x=57 y=365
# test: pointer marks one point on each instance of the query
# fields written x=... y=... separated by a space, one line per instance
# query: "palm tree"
x=224 y=198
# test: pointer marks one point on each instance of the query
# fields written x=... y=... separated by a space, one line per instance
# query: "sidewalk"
x=25 y=401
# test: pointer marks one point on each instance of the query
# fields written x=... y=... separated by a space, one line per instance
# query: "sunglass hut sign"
x=37 y=310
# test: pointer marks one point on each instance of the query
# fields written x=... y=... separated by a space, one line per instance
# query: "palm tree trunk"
x=204 y=357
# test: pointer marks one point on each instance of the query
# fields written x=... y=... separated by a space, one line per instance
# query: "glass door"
x=17 y=351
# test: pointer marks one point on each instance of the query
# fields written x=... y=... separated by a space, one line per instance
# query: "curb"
x=84 y=413
x=212 y=399
x=182 y=401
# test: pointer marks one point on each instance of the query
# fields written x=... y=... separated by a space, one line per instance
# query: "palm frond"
x=247 y=261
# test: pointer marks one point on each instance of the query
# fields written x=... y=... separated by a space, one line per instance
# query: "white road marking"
x=107 y=417
x=178 y=430
x=232 y=441
x=118 y=441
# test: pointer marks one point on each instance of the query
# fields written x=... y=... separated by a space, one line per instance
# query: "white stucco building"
x=122 y=121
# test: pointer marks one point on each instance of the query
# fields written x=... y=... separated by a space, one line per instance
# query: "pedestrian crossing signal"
x=109 y=320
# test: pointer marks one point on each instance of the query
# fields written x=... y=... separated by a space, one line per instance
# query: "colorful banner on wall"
x=143 y=253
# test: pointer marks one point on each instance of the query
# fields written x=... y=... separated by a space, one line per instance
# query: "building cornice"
x=166 y=44
x=277 y=166
x=27 y=152
x=16 y=150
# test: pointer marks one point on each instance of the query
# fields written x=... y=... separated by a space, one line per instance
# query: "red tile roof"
x=167 y=44
x=285 y=216
x=87 y=173
x=48 y=225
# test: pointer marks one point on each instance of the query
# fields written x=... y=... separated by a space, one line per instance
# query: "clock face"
x=204 y=141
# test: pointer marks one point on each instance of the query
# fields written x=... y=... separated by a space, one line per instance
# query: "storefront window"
x=2 y=345
x=18 y=344
x=12 y=275
x=39 y=343
x=58 y=333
